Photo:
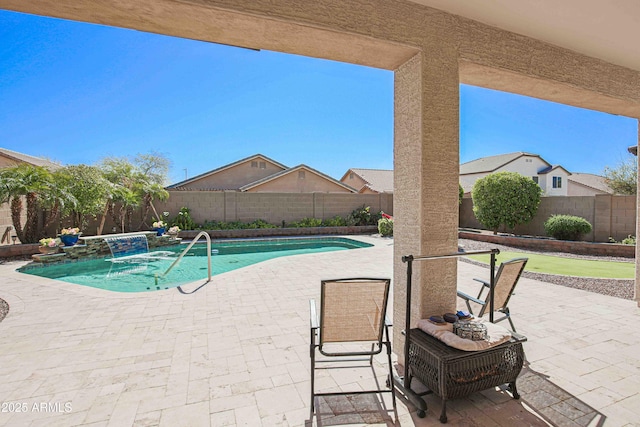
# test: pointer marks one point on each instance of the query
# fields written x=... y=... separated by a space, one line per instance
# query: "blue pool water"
x=142 y=274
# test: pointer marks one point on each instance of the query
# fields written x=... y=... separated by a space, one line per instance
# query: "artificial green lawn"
x=567 y=266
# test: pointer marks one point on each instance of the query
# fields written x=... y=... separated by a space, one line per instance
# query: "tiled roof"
x=467 y=183
x=380 y=180
x=291 y=170
x=590 y=180
x=491 y=163
x=552 y=168
x=25 y=158
x=182 y=188
x=184 y=184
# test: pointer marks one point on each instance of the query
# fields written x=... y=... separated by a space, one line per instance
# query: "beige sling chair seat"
x=352 y=323
x=505 y=283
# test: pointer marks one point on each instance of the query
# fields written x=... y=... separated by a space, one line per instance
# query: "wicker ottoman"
x=451 y=373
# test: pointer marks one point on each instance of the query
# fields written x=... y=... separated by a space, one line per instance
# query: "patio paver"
x=236 y=353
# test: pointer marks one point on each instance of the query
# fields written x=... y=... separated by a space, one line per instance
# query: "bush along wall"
x=385 y=227
x=361 y=216
x=567 y=227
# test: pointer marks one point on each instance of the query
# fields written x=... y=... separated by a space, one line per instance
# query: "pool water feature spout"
x=127 y=245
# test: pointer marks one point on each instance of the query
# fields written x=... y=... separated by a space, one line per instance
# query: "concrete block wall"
x=602 y=224
x=582 y=206
x=274 y=207
x=271 y=207
x=610 y=216
x=623 y=217
x=6 y=221
x=204 y=205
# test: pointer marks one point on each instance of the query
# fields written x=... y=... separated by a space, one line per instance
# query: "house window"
x=535 y=179
x=300 y=174
x=263 y=165
x=557 y=182
x=528 y=160
x=352 y=175
x=254 y=164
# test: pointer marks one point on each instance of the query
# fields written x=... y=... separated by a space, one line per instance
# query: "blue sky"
x=76 y=93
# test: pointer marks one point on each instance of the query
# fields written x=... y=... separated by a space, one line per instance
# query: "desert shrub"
x=629 y=240
x=385 y=227
x=217 y=225
x=184 y=220
x=336 y=221
x=260 y=223
x=460 y=193
x=363 y=216
x=505 y=198
x=235 y=225
x=307 y=222
x=566 y=227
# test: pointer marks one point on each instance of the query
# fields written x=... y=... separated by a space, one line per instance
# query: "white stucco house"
x=554 y=180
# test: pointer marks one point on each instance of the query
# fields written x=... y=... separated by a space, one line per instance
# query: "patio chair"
x=505 y=282
x=352 y=323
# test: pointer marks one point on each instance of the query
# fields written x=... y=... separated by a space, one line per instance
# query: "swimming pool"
x=142 y=274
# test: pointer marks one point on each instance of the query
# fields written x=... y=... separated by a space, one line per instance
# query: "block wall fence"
x=6 y=221
x=271 y=207
x=610 y=216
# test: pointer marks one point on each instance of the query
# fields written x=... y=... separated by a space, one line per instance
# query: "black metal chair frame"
x=435 y=363
x=377 y=346
x=504 y=309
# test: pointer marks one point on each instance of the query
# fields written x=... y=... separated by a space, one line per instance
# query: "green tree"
x=505 y=198
x=623 y=179
x=123 y=198
x=134 y=184
x=152 y=171
x=36 y=190
x=90 y=189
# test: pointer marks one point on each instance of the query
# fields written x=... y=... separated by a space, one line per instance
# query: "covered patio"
x=236 y=352
x=236 y=349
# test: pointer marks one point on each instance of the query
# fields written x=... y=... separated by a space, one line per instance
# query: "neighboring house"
x=553 y=179
x=10 y=158
x=259 y=173
x=369 y=181
x=299 y=179
x=586 y=184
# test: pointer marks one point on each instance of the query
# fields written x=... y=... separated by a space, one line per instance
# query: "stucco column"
x=637 y=295
x=426 y=170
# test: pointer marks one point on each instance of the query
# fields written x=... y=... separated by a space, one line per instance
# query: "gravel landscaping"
x=620 y=288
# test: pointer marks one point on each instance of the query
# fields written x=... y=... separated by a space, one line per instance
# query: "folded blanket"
x=496 y=335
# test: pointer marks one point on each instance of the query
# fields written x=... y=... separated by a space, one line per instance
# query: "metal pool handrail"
x=193 y=242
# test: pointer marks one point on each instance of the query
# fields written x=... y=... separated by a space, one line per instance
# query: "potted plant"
x=160 y=226
x=48 y=245
x=69 y=236
x=173 y=231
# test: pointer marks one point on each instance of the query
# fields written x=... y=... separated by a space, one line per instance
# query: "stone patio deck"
x=236 y=352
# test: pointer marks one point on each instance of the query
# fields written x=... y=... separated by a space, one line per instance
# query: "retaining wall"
x=552 y=245
x=277 y=232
